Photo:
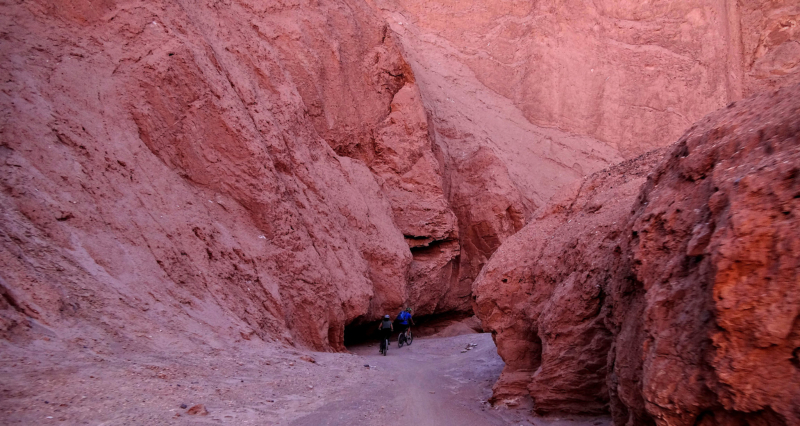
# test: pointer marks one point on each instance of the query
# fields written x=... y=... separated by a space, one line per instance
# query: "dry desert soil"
x=431 y=382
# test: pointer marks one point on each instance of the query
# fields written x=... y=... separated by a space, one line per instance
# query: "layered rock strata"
x=676 y=306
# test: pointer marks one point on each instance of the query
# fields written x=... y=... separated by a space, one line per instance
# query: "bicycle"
x=384 y=346
x=405 y=338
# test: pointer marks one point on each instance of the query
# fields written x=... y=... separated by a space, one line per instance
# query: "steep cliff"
x=498 y=168
x=673 y=304
x=161 y=171
x=632 y=74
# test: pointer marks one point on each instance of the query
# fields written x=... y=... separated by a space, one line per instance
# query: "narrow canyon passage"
x=206 y=207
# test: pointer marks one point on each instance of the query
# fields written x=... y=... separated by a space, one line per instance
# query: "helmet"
x=408 y=309
x=387 y=317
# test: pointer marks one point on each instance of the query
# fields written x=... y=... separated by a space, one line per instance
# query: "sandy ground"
x=431 y=382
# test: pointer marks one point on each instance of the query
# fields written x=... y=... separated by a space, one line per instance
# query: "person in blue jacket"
x=403 y=319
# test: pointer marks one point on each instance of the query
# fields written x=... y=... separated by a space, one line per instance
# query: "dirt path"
x=429 y=383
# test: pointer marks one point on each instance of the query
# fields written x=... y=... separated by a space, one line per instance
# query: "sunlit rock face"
x=669 y=293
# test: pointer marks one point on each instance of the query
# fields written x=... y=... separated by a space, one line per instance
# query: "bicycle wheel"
x=401 y=339
x=409 y=337
x=385 y=346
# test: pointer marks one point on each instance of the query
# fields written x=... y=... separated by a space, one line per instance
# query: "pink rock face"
x=497 y=167
x=383 y=124
x=402 y=160
x=543 y=293
x=632 y=74
x=251 y=169
x=189 y=173
x=678 y=306
x=162 y=171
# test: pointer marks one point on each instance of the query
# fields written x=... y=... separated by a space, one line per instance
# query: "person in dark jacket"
x=385 y=330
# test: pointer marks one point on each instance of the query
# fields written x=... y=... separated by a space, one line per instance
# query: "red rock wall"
x=362 y=98
x=716 y=251
x=224 y=170
x=632 y=74
x=497 y=167
x=162 y=172
x=543 y=293
x=678 y=306
x=283 y=169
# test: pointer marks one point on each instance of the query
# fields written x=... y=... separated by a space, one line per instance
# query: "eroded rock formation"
x=543 y=293
x=498 y=167
x=206 y=172
x=715 y=249
x=676 y=306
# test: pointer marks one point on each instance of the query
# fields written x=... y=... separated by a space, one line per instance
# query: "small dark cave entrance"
x=360 y=332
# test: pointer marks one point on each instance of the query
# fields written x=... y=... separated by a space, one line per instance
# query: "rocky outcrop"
x=632 y=74
x=543 y=294
x=678 y=306
x=714 y=248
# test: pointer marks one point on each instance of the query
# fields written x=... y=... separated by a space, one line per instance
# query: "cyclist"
x=403 y=319
x=385 y=330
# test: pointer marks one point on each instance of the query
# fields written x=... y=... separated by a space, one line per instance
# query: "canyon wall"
x=162 y=172
x=668 y=295
x=543 y=294
x=632 y=74
x=206 y=172
x=498 y=167
x=216 y=171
